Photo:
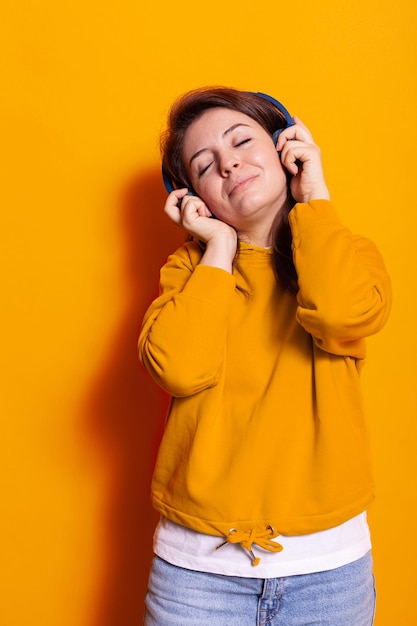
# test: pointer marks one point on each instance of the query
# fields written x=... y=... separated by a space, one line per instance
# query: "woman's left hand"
x=302 y=158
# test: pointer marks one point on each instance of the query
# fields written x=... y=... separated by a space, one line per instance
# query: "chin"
x=257 y=202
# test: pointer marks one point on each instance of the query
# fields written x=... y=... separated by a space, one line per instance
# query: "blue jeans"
x=340 y=597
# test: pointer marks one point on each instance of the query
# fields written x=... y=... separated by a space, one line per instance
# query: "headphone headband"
x=169 y=186
x=281 y=108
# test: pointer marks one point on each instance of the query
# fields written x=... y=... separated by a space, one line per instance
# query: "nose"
x=228 y=161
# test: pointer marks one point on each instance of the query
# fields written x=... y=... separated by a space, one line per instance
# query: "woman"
x=263 y=474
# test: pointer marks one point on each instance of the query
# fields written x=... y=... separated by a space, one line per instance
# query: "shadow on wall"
x=125 y=412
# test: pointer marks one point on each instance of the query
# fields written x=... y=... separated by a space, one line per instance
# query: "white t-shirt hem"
x=303 y=554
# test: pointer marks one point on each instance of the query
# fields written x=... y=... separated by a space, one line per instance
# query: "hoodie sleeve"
x=183 y=334
x=344 y=290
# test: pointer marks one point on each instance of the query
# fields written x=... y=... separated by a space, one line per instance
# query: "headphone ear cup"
x=169 y=185
x=276 y=135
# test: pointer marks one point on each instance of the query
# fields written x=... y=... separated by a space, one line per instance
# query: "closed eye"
x=240 y=143
x=204 y=169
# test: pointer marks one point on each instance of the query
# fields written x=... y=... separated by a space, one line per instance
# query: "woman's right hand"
x=193 y=215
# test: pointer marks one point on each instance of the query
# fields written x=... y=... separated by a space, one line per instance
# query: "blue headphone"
x=169 y=186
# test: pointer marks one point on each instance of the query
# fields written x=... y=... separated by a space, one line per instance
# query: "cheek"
x=278 y=172
x=216 y=206
x=210 y=193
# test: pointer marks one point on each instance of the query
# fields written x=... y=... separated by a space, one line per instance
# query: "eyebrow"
x=226 y=132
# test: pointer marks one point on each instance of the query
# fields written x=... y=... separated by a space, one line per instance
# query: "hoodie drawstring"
x=246 y=538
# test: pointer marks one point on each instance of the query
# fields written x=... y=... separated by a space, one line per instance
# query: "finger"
x=293 y=155
x=171 y=207
x=193 y=206
x=296 y=132
x=300 y=123
x=174 y=198
x=298 y=151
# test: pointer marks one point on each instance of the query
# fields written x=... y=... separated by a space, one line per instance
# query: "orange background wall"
x=85 y=90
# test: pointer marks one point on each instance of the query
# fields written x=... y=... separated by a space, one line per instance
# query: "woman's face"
x=233 y=166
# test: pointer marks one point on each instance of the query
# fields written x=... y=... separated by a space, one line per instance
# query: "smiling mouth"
x=241 y=185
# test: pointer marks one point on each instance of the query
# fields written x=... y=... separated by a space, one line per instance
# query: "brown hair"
x=191 y=106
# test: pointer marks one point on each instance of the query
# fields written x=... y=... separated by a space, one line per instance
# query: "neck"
x=260 y=239
x=262 y=233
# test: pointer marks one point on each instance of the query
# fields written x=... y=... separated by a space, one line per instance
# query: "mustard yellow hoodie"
x=266 y=427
